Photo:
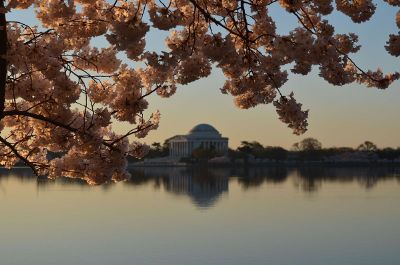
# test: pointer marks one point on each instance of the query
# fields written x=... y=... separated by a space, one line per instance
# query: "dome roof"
x=204 y=131
x=203 y=127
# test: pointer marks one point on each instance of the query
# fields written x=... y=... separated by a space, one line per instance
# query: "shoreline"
x=271 y=164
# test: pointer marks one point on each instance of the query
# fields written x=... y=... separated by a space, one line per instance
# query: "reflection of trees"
x=21 y=173
x=64 y=181
x=141 y=177
x=308 y=179
x=26 y=174
x=311 y=178
x=204 y=185
x=256 y=176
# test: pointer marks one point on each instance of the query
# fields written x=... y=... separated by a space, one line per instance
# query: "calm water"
x=279 y=216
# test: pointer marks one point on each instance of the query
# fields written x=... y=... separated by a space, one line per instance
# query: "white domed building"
x=201 y=136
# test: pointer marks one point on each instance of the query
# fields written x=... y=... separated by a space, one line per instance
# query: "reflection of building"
x=202 y=135
x=204 y=191
x=202 y=185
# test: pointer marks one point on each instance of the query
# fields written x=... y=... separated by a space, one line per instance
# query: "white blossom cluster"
x=63 y=92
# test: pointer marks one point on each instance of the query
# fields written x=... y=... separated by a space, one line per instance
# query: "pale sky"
x=339 y=116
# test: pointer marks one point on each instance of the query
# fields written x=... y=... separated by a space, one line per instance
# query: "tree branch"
x=3 y=61
x=17 y=154
x=54 y=122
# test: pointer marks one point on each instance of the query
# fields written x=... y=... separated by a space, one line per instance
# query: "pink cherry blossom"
x=63 y=91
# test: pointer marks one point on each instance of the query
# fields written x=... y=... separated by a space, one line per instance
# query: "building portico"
x=202 y=135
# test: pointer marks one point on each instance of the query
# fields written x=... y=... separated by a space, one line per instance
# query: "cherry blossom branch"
x=51 y=121
x=70 y=128
x=149 y=93
x=38 y=36
x=314 y=31
x=207 y=16
x=17 y=154
x=133 y=131
x=39 y=117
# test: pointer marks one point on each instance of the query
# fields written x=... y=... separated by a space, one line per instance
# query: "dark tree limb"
x=3 y=61
x=21 y=157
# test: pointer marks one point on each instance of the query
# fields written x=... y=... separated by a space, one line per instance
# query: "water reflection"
x=204 y=186
x=310 y=179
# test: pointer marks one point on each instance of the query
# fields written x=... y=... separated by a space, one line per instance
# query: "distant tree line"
x=309 y=149
x=158 y=150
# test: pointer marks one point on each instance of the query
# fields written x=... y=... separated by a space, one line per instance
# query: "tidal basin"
x=197 y=216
